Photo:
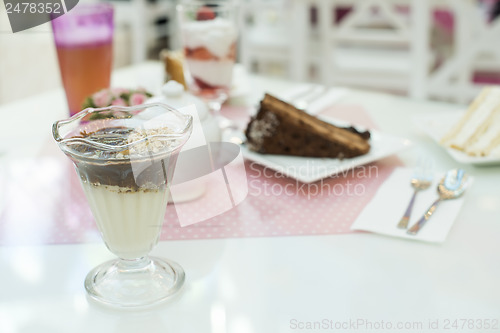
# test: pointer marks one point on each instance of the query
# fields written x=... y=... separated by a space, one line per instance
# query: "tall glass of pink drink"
x=84 y=42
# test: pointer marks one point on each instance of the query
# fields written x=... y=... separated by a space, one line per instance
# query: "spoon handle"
x=420 y=223
x=403 y=223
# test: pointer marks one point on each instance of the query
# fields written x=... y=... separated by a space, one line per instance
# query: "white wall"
x=28 y=61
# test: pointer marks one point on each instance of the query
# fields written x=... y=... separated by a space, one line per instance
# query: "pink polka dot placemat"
x=44 y=202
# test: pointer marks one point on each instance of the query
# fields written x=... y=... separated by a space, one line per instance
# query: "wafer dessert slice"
x=174 y=66
x=477 y=132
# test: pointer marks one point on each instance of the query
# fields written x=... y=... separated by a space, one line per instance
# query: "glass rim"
x=95 y=8
x=188 y=123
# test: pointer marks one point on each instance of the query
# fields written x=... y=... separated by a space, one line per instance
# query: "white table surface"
x=269 y=284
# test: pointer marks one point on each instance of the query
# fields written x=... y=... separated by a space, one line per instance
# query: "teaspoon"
x=452 y=186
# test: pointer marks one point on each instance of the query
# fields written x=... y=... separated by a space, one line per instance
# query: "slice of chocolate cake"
x=280 y=128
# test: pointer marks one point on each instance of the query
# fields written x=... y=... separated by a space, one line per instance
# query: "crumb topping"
x=142 y=142
x=261 y=129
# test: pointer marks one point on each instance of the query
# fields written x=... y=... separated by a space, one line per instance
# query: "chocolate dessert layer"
x=280 y=128
x=147 y=169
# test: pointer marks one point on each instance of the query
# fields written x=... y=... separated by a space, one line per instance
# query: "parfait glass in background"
x=84 y=42
x=209 y=36
x=125 y=158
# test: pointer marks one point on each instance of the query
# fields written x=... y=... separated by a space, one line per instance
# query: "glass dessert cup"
x=125 y=158
x=209 y=36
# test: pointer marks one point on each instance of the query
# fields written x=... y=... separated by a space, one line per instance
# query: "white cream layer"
x=130 y=222
x=213 y=72
x=216 y=35
x=488 y=139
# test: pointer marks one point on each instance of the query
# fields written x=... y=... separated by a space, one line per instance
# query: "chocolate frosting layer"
x=152 y=174
x=149 y=169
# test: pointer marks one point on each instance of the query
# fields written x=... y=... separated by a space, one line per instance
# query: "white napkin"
x=315 y=106
x=385 y=210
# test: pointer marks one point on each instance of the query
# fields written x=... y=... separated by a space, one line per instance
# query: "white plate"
x=308 y=170
x=436 y=125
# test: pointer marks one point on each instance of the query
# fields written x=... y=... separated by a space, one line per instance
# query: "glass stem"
x=134 y=264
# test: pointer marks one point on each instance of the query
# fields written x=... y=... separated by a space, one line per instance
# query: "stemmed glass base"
x=134 y=283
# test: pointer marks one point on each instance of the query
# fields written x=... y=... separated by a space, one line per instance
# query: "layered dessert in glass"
x=209 y=36
x=126 y=190
x=125 y=158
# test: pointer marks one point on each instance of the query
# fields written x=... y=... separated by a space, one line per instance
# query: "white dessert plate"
x=436 y=125
x=309 y=170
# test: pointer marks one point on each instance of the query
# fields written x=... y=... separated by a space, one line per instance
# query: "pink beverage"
x=84 y=41
x=209 y=36
x=82 y=75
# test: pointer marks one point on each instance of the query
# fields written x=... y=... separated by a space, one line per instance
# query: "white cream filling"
x=488 y=140
x=216 y=35
x=130 y=222
x=212 y=72
x=476 y=121
x=478 y=132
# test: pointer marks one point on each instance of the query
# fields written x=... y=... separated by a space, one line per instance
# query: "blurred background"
x=424 y=49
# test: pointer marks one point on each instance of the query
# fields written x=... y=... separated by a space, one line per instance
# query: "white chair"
x=268 y=39
x=475 y=49
x=382 y=44
x=264 y=40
